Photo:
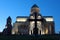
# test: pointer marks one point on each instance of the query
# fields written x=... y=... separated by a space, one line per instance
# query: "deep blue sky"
x=16 y=8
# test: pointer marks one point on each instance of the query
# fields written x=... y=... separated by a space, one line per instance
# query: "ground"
x=30 y=37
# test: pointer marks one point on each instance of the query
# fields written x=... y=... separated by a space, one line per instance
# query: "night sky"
x=16 y=8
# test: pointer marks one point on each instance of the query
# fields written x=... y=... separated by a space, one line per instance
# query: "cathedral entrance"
x=40 y=32
x=35 y=31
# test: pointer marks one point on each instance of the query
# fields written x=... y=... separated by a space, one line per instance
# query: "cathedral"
x=35 y=23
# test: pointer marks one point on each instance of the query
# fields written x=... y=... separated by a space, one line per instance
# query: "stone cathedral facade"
x=23 y=24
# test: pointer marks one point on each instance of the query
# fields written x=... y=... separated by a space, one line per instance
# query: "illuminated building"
x=26 y=24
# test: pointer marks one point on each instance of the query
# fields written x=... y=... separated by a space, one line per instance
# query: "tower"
x=9 y=25
x=9 y=21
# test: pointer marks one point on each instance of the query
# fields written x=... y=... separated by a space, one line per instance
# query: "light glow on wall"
x=32 y=24
x=49 y=19
x=46 y=31
x=31 y=17
x=39 y=17
x=13 y=32
x=21 y=19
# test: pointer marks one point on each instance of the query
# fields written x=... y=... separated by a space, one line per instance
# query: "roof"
x=35 y=6
x=47 y=16
x=28 y=17
x=22 y=17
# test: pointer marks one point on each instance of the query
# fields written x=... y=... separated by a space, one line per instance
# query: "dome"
x=35 y=6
